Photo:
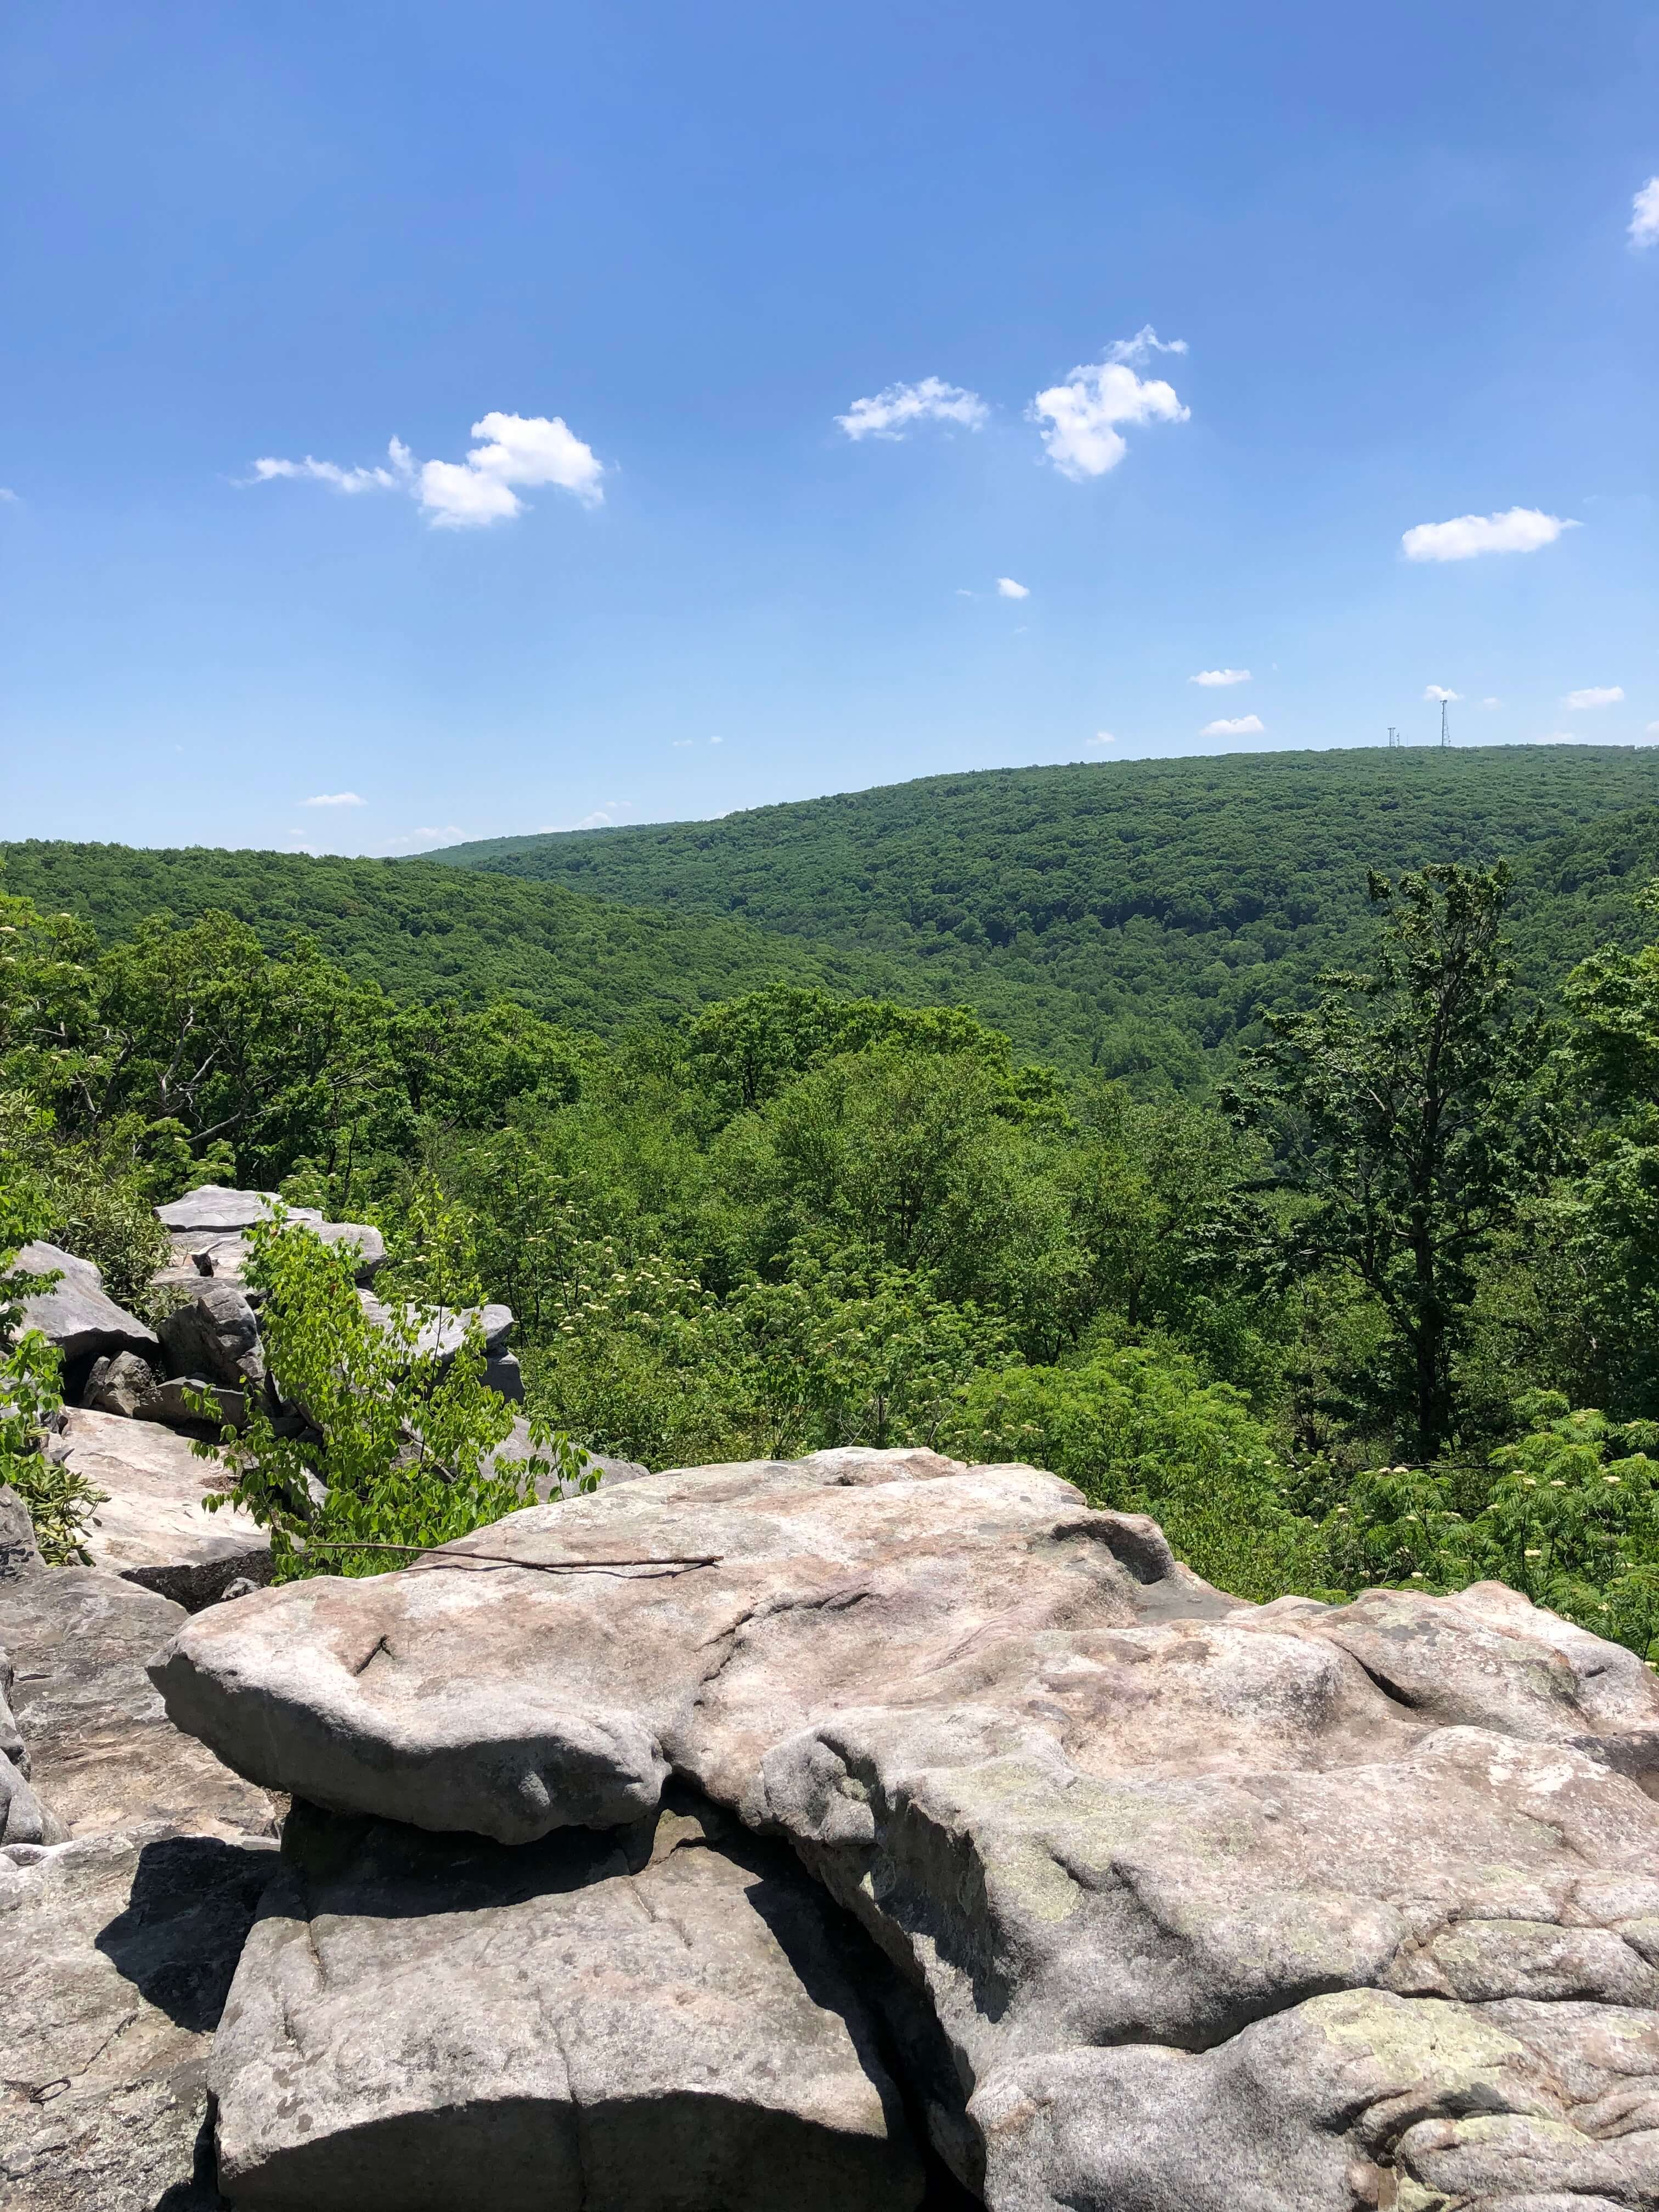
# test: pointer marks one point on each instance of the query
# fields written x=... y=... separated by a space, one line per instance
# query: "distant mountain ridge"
x=1138 y=914
x=1140 y=918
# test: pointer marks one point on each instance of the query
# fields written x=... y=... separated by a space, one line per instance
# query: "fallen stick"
x=678 y=1563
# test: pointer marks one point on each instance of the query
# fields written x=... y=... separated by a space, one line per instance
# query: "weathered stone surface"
x=666 y=2016
x=103 y=1752
x=444 y=1335
x=116 y=1952
x=175 y=1405
x=503 y=1375
x=1127 y=1836
x=213 y=1209
x=117 y=1947
x=76 y=1314
x=122 y=1384
x=153 y=1527
x=19 y=1553
x=215 y=1334
x=580 y=1691
x=24 y=1819
x=206 y=1229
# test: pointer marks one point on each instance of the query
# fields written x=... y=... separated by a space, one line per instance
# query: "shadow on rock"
x=188 y=1913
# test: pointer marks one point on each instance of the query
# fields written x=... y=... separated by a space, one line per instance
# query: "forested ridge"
x=426 y=932
x=1138 y=918
x=1133 y=914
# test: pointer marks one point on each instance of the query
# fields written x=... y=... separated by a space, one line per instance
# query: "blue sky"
x=1402 y=267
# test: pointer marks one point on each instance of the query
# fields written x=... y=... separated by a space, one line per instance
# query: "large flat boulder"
x=213 y=1334
x=76 y=1314
x=152 y=1526
x=115 y=1953
x=118 y=1945
x=102 y=1751
x=665 y=2018
x=208 y=1231
x=1130 y=1838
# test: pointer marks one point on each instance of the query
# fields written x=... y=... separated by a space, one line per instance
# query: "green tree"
x=1407 y=1125
x=398 y=1433
x=1139 y=1429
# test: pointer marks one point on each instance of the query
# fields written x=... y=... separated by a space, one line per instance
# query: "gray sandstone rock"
x=118 y=1945
x=503 y=1375
x=103 y=1752
x=19 y=1553
x=1219 y=1908
x=580 y=1691
x=122 y=1384
x=177 y=1405
x=444 y=1335
x=116 y=1951
x=215 y=1335
x=213 y=1209
x=77 y=1314
x=152 y=1526
x=206 y=1229
x=664 y=2019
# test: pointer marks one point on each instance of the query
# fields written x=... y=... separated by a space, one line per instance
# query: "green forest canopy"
x=1137 y=914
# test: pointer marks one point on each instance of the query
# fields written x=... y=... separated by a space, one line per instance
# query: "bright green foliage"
x=409 y=1440
x=59 y=1502
x=1138 y=916
x=1406 y=1119
x=1569 y=1516
x=1139 y=1429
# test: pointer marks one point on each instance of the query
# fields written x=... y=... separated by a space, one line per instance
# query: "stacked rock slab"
x=663 y=2016
x=1219 y=1909
x=152 y=1525
x=207 y=1230
x=116 y=1946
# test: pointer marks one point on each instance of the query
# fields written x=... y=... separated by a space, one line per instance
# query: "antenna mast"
x=1445 y=728
x=1393 y=737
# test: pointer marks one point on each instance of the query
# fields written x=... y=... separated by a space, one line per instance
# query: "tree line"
x=1380 y=1309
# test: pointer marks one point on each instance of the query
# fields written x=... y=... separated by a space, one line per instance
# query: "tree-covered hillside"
x=427 y=932
x=1135 y=914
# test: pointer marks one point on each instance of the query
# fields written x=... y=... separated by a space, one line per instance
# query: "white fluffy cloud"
x=1595 y=695
x=1008 y=589
x=896 y=409
x=1644 y=215
x=1241 y=726
x=8 y=497
x=1215 y=679
x=1103 y=738
x=1439 y=692
x=519 y=451
x=1518 y=529
x=1082 y=414
x=335 y=798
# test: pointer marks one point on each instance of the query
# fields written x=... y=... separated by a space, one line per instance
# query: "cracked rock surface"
x=1219 y=1908
x=116 y=1946
x=666 y=2016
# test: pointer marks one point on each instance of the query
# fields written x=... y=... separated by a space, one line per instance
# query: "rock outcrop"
x=1219 y=1908
x=77 y=1314
x=669 y=2015
x=152 y=1526
x=208 y=1231
x=117 y=1947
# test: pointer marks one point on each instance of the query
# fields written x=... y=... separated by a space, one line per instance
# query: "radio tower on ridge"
x=1445 y=728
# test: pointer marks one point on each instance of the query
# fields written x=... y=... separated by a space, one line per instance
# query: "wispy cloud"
x=519 y=451
x=1492 y=702
x=1242 y=725
x=1214 y=679
x=7 y=497
x=1081 y=416
x=1008 y=589
x=1439 y=692
x=1102 y=738
x=328 y=472
x=1644 y=215
x=1595 y=695
x=1517 y=530
x=898 y=408
x=335 y=798
x=717 y=741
